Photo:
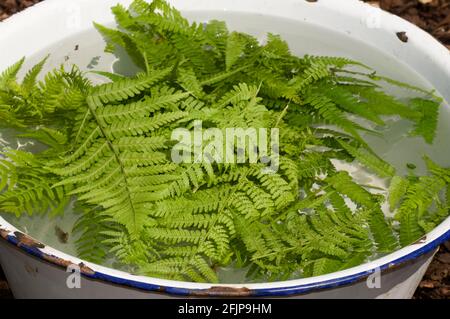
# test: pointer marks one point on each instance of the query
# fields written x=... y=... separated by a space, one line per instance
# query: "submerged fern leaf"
x=427 y=125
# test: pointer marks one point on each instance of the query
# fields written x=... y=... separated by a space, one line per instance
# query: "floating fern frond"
x=427 y=125
x=339 y=62
x=121 y=90
x=188 y=81
x=370 y=160
x=332 y=114
x=10 y=73
x=89 y=228
x=236 y=44
x=351 y=103
x=397 y=190
x=30 y=78
x=416 y=203
x=28 y=186
x=344 y=184
x=179 y=268
x=143 y=125
x=381 y=231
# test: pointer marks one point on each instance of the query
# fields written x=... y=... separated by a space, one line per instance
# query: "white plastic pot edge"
x=422 y=52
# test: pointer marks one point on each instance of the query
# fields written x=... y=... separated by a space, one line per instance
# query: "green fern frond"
x=339 y=62
x=369 y=160
x=179 y=268
x=382 y=232
x=384 y=104
x=397 y=190
x=343 y=183
x=89 y=228
x=315 y=72
x=327 y=110
x=416 y=203
x=189 y=82
x=30 y=78
x=143 y=125
x=10 y=74
x=140 y=109
x=236 y=43
x=27 y=188
x=427 y=125
x=350 y=102
x=119 y=91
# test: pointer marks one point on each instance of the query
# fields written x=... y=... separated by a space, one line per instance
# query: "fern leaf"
x=418 y=199
x=222 y=76
x=143 y=125
x=121 y=90
x=324 y=266
x=370 y=160
x=10 y=74
x=89 y=228
x=382 y=232
x=339 y=62
x=344 y=184
x=189 y=82
x=351 y=103
x=427 y=125
x=329 y=112
x=236 y=44
x=397 y=190
x=29 y=80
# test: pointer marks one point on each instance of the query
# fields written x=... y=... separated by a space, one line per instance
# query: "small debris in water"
x=402 y=36
x=63 y=237
x=77 y=47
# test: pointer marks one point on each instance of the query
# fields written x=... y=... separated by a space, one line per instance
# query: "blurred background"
x=431 y=15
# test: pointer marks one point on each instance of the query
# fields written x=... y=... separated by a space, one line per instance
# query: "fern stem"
x=80 y=129
x=283 y=113
x=117 y=157
x=285 y=250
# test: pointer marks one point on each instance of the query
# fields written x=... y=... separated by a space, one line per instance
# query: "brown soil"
x=432 y=16
x=436 y=283
x=4 y=289
x=9 y=7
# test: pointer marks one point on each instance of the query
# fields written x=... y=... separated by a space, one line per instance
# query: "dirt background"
x=432 y=16
x=9 y=7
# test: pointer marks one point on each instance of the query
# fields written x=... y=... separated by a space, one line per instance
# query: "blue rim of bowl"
x=226 y=291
